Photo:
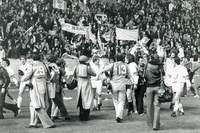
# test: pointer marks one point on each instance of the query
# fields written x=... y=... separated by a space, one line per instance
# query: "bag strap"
x=111 y=71
x=48 y=72
x=161 y=74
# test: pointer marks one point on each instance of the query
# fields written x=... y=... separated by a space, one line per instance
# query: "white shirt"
x=2 y=54
x=24 y=68
x=96 y=69
x=160 y=51
x=10 y=71
x=180 y=74
x=134 y=72
x=169 y=67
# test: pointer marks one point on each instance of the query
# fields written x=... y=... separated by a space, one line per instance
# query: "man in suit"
x=4 y=82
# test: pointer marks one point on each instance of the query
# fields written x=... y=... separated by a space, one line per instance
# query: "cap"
x=83 y=58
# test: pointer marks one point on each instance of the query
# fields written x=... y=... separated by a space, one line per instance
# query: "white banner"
x=28 y=0
x=1 y=3
x=59 y=4
x=187 y=5
x=74 y=29
x=52 y=32
x=123 y=34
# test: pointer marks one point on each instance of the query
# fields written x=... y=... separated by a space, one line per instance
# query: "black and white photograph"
x=99 y=66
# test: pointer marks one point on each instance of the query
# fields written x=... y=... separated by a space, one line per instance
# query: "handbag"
x=72 y=85
x=165 y=93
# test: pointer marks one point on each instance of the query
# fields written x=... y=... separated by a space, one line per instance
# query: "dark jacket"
x=4 y=78
x=153 y=72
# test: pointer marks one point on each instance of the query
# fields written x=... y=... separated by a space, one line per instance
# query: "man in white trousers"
x=23 y=69
x=120 y=77
x=96 y=82
x=38 y=76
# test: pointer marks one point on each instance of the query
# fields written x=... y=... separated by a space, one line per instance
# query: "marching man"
x=38 y=77
x=119 y=71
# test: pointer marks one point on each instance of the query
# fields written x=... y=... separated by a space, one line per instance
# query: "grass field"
x=104 y=121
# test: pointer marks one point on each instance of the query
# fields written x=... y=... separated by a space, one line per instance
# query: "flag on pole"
x=59 y=4
x=99 y=41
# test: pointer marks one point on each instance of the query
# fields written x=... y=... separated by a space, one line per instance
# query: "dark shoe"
x=173 y=114
x=95 y=109
x=52 y=126
x=155 y=129
x=16 y=112
x=171 y=106
x=53 y=118
x=32 y=126
x=99 y=106
x=118 y=120
x=130 y=108
x=39 y=121
x=67 y=118
x=2 y=117
x=181 y=113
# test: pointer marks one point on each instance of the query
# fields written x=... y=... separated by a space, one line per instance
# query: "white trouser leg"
x=119 y=101
x=179 y=90
x=21 y=91
x=44 y=118
x=54 y=110
x=129 y=94
x=99 y=91
x=33 y=116
x=95 y=99
x=180 y=106
x=115 y=102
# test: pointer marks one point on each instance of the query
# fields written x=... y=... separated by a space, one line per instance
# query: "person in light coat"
x=85 y=96
x=180 y=77
x=38 y=93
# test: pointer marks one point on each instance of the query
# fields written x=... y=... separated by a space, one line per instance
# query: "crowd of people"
x=127 y=77
x=168 y=39
x=176 y=24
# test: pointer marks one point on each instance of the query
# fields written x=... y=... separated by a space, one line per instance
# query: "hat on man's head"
x=83 y=58
x=60 y=61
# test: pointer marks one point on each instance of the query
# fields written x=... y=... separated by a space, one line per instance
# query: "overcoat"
x=39 y=91
x=83 y=72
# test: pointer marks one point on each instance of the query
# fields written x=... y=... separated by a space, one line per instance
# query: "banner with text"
x=130 y=35
x=59 y=4
x=74 y=29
